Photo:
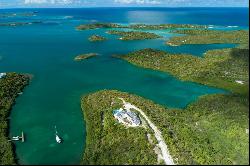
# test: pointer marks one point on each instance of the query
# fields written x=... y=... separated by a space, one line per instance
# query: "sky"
x=122 y=3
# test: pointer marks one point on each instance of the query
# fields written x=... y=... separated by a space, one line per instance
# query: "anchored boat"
x=18 y=138
x=58 y=139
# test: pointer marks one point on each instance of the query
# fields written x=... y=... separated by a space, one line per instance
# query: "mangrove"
x=218 y=68
x=10 y=86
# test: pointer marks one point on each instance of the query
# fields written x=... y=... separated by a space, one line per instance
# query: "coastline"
x=85 y=56
x=14 y=83
x=195 y=69
x=184 y=130
x=205 y=70
x=105 y=140
x=75 y=78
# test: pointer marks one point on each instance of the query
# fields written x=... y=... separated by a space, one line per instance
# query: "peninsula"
x=188 y=136
x=222 y=68
x=218 y=68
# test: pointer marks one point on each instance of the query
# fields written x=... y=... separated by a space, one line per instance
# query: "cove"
x=53 y=97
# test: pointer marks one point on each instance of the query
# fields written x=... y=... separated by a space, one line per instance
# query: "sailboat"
x=58 y=139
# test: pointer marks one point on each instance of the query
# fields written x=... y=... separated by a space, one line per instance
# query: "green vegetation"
x=205 y=36
x=98 y=25
x=165 y=26
x=10 y=86
x=213 y=130
x=134 y=35
x=85 y=56
x=138 y=26
x=95 y=38
x=219 y=68
x=109 y=142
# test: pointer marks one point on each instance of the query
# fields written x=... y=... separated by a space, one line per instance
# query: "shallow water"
x=53 y=97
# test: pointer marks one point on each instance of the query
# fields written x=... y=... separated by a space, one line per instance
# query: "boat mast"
x=56 y=130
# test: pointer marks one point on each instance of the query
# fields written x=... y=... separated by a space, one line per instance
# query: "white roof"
x=240 y=82
x=133 y=118
x=2 y=75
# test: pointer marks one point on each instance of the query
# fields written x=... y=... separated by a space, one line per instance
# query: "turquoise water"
x=53 y=97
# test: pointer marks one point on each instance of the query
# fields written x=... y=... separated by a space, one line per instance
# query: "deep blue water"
x=213 y=16
x=47 y=49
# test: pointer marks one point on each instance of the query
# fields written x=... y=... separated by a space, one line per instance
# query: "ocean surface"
x=46 y=50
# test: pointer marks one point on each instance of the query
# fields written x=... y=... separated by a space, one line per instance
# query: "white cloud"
x=153 y=2
x=63 y=2
x=35 y=1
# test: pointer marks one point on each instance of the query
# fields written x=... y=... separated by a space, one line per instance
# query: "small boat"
x=58 y=139
x=17 y=138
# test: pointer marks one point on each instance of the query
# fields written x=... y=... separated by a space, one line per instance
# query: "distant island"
x=134 y=35
x=15 y=24
x=165 y=26
x=138 y=26
x=98 y=25
x=96 y=38
x=24 y=14
x=192 y=33
x=85 y=56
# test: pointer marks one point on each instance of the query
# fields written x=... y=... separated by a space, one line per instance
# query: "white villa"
x=127 y=117
x=2 y=75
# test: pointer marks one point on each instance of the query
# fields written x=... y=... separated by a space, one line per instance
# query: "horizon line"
x=63 y=7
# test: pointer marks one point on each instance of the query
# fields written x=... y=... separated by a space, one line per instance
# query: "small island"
x=97 y=38
x=98 y=25
x=85 y=56
x=134 y=35
x=11 y=84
